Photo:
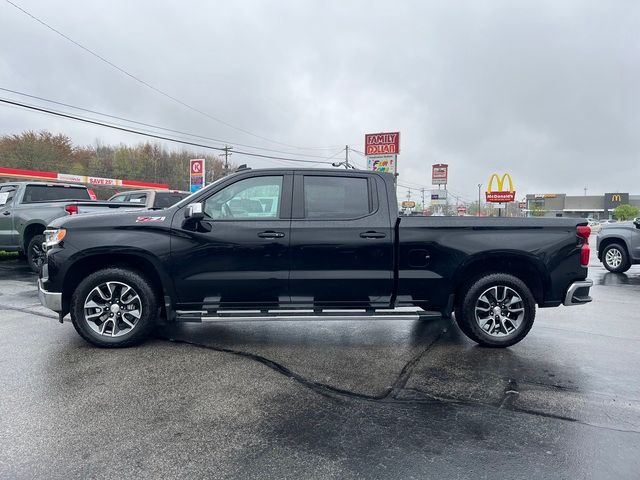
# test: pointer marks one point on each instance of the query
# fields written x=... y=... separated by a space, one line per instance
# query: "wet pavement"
x=336 y=399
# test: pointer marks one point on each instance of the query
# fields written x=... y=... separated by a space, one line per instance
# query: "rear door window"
x=333 y=197
x=49 y=193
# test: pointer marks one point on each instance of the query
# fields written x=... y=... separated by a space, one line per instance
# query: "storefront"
x=600 y=207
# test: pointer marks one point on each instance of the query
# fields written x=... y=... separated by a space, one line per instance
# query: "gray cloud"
x=545 y=90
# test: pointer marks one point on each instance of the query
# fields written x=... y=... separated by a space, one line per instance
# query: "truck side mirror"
x=194 y=212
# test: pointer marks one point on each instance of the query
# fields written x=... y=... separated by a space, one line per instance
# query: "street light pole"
x=479 y=187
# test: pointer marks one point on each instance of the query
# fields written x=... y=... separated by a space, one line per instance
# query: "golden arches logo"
x=616 y=198
x=500 y=183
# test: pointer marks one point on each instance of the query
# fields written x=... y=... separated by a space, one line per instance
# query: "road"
x=337 y=399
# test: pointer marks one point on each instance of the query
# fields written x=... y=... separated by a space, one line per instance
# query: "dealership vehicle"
x=618 y=245
x=25 y=210
x=135 y=200
x=27 y=207
x=154 y=199
x=307 y=242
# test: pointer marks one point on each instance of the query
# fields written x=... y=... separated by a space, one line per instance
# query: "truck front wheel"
x=114 y=307
x=615 y=258
x=496 y=310
x=35 y=253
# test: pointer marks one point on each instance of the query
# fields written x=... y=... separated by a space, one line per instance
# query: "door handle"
x=372 y=235
x=270 y=234
x=5 y=213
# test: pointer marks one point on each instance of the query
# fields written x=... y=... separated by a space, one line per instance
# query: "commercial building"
x=599 y=207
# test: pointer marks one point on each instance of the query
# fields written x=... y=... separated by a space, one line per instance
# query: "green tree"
x=537 y=210
x=626 y=212
x=145 y=161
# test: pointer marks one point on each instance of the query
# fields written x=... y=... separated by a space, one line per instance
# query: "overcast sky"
x=546 y=90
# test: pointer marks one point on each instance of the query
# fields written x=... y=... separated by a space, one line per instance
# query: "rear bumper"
x=578 y=293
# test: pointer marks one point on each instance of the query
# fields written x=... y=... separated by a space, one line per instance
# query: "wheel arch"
x=138 y=261
x=525 y=267
x=36 y=227
x=605 y=242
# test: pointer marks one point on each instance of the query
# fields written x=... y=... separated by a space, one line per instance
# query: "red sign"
x=462 y=209
x=439 y=174
x=500 y=197
x=382 y=143
x=522 y=205
x=102 y=181
x=197 y=166
x=69 y=178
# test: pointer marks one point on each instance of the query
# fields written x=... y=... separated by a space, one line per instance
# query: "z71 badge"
x=150 y=219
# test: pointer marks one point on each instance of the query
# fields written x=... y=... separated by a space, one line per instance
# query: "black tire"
x=35 y=253
x=511 y=328
x=613 y=254
x=147 y=301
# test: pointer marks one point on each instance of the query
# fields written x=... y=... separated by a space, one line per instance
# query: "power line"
x=151 y=135
x=148 y=85
x=82 y=109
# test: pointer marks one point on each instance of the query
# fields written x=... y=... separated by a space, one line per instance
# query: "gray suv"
x=618 y=245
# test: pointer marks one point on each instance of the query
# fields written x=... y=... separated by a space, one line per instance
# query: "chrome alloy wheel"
x=499 y=311
x=112 y=309
x=613 y=258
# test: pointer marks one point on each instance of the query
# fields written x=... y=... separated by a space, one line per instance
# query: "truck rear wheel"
x=114 y=307
x=497 y=310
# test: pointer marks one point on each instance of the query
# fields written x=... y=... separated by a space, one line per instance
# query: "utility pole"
x=226 y=158
x=585 y=190
x=479 y=187
x=409 y=194
x=346 y=163
x=422 y=191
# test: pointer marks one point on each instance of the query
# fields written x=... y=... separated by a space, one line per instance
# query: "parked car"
x=594 y=224
x=27 y=207
x=309 y=242
x=154 y=199
x=618 y=245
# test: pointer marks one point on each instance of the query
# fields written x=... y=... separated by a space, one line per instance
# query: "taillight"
x=71 y=209
x=583 y=232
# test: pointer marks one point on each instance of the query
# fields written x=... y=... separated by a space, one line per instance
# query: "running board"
x=293 y=315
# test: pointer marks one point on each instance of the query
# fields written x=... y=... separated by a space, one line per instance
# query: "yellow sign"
x=500 y=195
x=616 y=197
x=408 y=204
x=500 y=182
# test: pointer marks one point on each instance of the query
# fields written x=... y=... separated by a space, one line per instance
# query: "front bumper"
x=51 y=300
x=578 y=293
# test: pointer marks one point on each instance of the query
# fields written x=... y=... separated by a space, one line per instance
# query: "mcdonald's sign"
x=613 y=199
x=500 y=194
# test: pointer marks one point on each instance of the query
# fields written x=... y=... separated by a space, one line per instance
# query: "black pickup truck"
x=307 y=242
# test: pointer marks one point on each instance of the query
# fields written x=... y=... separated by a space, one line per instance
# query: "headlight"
x=54 y=236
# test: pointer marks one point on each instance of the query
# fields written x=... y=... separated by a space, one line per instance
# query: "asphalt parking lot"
x=336 y=399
